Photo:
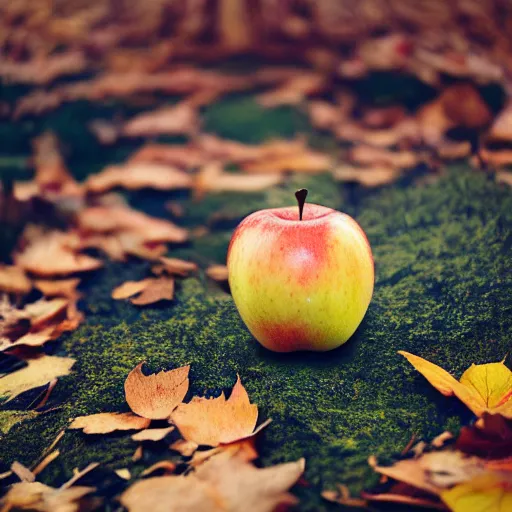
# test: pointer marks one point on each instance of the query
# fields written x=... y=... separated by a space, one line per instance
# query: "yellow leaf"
x=483 y=494
x=482 y=388
x=39 y=372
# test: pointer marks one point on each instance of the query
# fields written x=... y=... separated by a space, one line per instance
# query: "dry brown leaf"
x=106 y=422
x=368 y=155
x=308 y=161
x=451 y=150
x=220 y=484
x=167 y=465
x=293 y=91
x=212 y=178
x=367 y=176
x=217 y=420
x=121 y=219
x=37 y=496
x=221 y=149
x=134 y=176
x=175 y=120
x=152 y=434
x=156 y=396
x=50 y=254
x=407 y=130
x=39 y=372
x=324 y=115
x=185 y=448
x=182 y=156
x=244 y=449
x=383 y=117
x=14 y=280
x=217 y=272
x=130 y=288
x=174 y=267
x=159 y=289
x=342 y=497
x=42 y=71
x=31 y=339
x=59 y=288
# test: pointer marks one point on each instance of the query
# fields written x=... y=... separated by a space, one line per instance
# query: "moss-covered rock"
x=443 y=291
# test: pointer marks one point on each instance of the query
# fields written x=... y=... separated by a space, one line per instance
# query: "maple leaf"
x=482 y=388
x=486 y=493
x=39 y=372
x=216 y=420
x=106 y=422
x=156 y=396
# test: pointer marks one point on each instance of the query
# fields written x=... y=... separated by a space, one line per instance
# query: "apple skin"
x=301 y=284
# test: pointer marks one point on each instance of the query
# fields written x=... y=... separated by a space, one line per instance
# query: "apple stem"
x=301 y=199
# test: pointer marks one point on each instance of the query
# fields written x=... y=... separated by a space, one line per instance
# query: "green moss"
x=443 y=291
x=10 y=418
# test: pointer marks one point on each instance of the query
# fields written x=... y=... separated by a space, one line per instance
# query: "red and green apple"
x=301 y=278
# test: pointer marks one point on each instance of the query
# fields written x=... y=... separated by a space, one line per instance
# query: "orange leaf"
x=156 y=396
x=217 y=420
x=106 y=422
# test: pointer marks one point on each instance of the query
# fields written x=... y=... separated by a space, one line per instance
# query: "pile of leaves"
x=472 y=471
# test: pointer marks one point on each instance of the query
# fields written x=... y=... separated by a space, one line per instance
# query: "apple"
x=301 y=278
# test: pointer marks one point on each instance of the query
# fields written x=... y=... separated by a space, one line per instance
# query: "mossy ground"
x=443 y=291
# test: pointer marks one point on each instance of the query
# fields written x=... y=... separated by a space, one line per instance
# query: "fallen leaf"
x=50 y=254
x=130 y=288
x=217 y=272
x=218 y=485
x=497 y=157
x=138 y=175
x=170 y=494
x=490 y=437
x=152 y=434
x=185 y=448
x=482 y=388
x=308 y=162
x=217 y=420
x=124 y=220
x=14 y=280
x=174 y=267
x=39 y=372
x=182 y=156
x=408 y=130
x=175 y=120
x=293 y=91
x=501 y=129
x=148 y=290
x=434 y=122
x=243 y=449
x=37 y=496
x=156 y=396
x=106 y=422
x=212 y=178
x=58 y=288
x=123 y=473
x=404 y=494
x=483 y=494
x=465 y=107
x=370 y=176
x=368 y=155
x=167 y=465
